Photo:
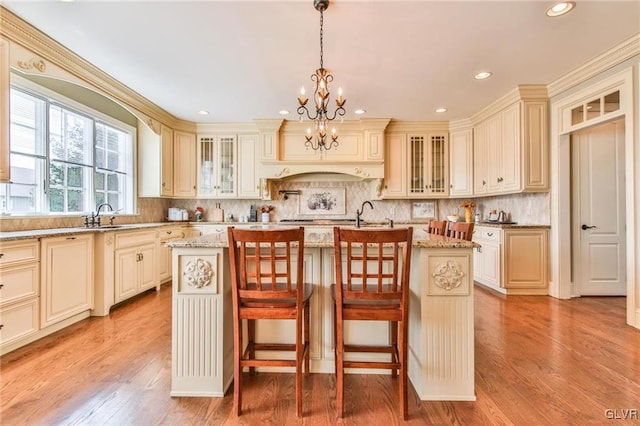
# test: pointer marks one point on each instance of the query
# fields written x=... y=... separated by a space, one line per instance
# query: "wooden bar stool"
x=372 y=283
x=437 y=227
x=460 y=230
x=266 y=269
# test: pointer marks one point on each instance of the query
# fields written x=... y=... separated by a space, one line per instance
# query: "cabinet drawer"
x=18 y=320
x=19 y=282
x=485 y=233
x=128 y=239
x=167 y=234
x=18 y=252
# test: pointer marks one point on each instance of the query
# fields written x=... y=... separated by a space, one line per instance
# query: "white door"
x=598 y=203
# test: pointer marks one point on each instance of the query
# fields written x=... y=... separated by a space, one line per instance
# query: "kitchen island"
x=441 y=346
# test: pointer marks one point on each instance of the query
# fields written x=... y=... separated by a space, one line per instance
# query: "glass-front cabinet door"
x=217 y=158
x=429 y=165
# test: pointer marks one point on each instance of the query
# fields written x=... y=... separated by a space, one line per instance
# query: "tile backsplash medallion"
x=531 y=208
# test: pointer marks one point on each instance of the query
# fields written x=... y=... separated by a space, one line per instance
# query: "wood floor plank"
x=539 y=360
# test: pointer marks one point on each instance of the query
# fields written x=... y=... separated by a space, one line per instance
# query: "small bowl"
x=453 y=218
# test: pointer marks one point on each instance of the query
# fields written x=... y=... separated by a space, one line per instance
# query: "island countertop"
x=317 y=238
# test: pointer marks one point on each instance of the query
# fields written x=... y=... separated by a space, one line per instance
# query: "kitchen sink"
x=110 y=226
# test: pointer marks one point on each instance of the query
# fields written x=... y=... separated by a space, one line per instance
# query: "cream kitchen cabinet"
x=184 y=165
x=217 y=166
x=526 y=261
x=416 y=165
x=66 y=277
x=166 y=234
x=511 y=150
x=19 y=293
x=5 y=170
x=135 y=264
x=155 y=160
x=248 y=179
x=486 y=259
x=461 y=163
x=512 y=260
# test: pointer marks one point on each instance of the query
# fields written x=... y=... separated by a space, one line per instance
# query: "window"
x=65 y=157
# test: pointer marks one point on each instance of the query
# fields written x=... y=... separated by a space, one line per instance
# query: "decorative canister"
x=265 y=217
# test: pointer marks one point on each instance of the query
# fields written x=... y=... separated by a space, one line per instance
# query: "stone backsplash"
x=522 y=208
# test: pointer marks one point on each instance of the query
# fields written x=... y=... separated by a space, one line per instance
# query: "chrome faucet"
x=359 y=212
x=94 y=219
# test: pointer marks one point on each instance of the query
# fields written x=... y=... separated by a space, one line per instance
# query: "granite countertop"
x=60 y=232
x=55 y=232
x=321 y=240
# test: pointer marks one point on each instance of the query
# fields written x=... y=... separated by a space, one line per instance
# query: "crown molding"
x=460 y=125
x=612 y=57
x=524 y=92
x=418 y=126
x=22 y=33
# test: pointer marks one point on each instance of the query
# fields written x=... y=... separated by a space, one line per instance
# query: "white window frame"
x=34 y=89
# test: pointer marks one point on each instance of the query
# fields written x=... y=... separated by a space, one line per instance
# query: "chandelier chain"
x=321 y=32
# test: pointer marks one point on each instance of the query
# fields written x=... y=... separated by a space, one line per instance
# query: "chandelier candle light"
x=321 y=78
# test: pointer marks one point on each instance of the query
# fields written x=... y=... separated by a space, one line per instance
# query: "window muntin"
x=65 y=158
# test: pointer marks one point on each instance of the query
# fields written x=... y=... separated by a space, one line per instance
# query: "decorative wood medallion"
x=198 y=273
x=448 y=275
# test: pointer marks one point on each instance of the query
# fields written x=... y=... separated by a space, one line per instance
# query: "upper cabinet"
x=184 y=161
x=511 y=148
x=416 y=165
x=155 y=160
x=5 y=171
x=217 y=166
x=166 y=171
x=461 y=162
x=227 y=160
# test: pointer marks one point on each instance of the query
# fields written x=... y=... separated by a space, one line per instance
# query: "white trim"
x=612 y=57
x=560 y=238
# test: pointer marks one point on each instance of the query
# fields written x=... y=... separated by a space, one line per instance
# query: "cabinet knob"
x=1 y=285
x=1 y=326
x=194 y=187
x=163 y=184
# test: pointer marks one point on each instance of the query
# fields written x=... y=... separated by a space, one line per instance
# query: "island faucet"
x=359 y=212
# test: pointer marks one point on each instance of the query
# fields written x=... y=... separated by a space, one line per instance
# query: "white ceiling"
x=242 y=60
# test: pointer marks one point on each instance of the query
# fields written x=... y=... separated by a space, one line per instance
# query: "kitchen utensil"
x=216 y=214
x=502 y=216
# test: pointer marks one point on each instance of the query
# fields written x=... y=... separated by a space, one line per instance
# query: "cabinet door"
x=494 y=154
x=417 y=185
x=248 y=181
x=480 y=159
x=478 y=259
x=65 y=294
x=147 y=269
x=526 y=258
x=510 y=152
x=491 y=263
x=226 y=176
x=166 y=140
x=438 y=165
x=184 y=157
x=395 y=166
x=126 y=273
x=5 y=171
x=461 y=163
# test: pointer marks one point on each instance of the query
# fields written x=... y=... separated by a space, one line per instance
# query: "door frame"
x=561 y=285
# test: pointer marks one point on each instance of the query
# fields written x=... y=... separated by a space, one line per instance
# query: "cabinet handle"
x=1 y=255
x=490 y=234
x=1 y=285
x=484 y=183
x=163 y=184
x=1 y=326
x=194 y=187
x=478 y=249
x=169 y=232
x=141 y=257
x=71 y=238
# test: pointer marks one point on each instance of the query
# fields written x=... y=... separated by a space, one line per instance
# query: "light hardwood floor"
x=539 y=360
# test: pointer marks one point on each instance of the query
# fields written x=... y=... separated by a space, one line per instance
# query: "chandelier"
x=321 y=117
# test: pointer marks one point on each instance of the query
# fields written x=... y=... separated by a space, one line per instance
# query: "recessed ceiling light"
x=560 y=9
x=441 y=110
x=482 y=75
x=359 y=111
x=283 y=112
x=203 y=112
